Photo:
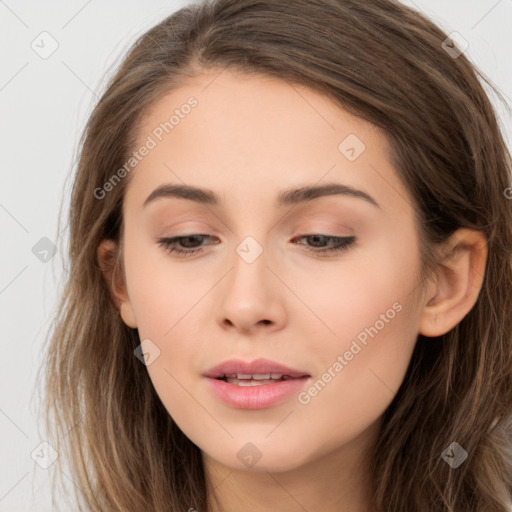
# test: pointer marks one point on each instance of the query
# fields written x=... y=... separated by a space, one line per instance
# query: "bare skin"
x=248 y=139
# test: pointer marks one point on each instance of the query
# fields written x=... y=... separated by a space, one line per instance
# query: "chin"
x=256 y=458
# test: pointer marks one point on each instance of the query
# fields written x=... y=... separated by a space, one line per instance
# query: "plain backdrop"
x=45 y=101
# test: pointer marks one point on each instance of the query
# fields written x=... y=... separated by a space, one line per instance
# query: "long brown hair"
x=389 y=65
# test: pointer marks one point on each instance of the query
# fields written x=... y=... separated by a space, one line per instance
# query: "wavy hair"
x=387 y=64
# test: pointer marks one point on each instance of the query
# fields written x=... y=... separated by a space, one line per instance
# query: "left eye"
x=169 y=244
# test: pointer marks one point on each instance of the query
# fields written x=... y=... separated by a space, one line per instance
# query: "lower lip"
x=256 y=397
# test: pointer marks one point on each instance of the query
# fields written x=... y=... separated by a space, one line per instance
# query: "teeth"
x=255 y=379
x=255 y=376
x=250 y=382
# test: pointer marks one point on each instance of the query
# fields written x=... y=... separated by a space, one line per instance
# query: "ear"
x=108 y=259
x=457 y=282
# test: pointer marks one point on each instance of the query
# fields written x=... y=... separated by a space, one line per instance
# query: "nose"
x=251 y=297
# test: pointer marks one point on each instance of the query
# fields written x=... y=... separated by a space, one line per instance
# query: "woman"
x=290 y=282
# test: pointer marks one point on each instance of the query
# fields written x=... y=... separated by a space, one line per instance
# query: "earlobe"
x=458 y=281
x=107 y=255
x=128 y=315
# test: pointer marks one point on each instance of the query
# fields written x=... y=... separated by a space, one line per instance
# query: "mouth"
x=258 y=384
x=258 y=371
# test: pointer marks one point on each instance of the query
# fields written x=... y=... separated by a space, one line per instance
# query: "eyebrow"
x=287 y=197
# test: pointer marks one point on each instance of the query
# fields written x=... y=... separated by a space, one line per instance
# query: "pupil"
x=189 y=239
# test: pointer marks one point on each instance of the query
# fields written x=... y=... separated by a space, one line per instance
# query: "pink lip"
x=258 y=366
x=255 y=397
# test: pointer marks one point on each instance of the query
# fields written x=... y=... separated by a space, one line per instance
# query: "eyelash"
x=169 y=244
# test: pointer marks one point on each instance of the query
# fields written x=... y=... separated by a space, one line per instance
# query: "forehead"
x=252 y=136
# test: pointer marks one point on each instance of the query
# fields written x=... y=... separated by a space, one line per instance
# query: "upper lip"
x=258 y=366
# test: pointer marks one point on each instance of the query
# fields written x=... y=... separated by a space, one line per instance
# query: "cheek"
x=350 y=295
x=358 y=372
x=370 y=307
x=162 y=291
x=166 y=301
x=361 y=374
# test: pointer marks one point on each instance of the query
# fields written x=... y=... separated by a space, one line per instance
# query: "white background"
x=44 y=106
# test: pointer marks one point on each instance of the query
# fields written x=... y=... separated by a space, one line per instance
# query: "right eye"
x=170 y=244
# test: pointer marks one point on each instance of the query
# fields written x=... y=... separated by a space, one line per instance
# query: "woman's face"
x=258 y=285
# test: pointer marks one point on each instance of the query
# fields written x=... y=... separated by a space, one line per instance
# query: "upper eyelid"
x=321 y=227
x=315 y=217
